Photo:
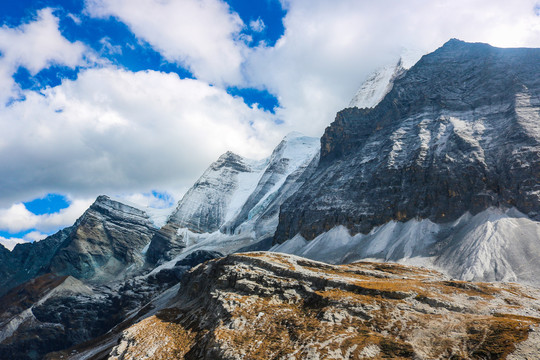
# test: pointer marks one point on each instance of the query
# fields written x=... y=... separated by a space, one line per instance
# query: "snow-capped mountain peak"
x=381 y=81
x=236 y=201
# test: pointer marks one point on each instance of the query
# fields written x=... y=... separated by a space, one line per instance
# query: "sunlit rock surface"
x=272 y=306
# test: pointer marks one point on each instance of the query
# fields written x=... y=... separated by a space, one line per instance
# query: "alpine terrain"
x=410 y=230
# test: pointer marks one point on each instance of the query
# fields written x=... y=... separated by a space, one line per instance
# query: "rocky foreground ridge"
x=273 y=306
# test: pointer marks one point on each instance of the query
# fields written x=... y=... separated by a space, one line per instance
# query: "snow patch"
x=375 y=87
x=381 y=82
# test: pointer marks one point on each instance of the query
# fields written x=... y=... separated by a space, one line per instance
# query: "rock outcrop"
x=272 y=306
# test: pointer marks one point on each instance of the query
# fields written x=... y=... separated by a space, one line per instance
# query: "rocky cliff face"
x=270 y=306
x=459 y=132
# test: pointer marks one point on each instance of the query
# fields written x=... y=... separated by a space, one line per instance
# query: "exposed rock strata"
x=458 y=132
x=106 y=239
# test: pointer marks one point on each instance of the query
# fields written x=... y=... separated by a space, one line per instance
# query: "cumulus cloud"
x=199 y=34
x=35 y=45
x=328 y=48
x=148 y=200
x=112 y=130
x=257 y=25
x=10 y=243
x=17 y=218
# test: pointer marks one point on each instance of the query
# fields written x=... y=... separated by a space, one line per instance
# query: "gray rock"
x=106 y=239
x=100 y=246
x=458 y=132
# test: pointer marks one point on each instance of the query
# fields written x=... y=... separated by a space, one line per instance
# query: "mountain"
x=236 y=201
x=457 y=136
x=97 y=275
x=71 y=286
x=108 y=238
x=435 y=165
x=272 y=306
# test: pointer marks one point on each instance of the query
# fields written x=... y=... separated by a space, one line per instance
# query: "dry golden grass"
x=397 y=317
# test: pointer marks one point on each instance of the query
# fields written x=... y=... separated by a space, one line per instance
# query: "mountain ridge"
x=429 y=140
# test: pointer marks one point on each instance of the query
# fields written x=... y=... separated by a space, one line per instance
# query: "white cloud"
x=9 y=243
x=17 y=218
x=329 y=47
x=114 y=131
x=257 y=25
x=108 y=48
x=199 y=34
x=33 y=236
x=76 y=19
x=35 y=46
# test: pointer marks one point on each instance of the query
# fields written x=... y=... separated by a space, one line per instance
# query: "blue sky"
x=114 y=41
x=135 y=98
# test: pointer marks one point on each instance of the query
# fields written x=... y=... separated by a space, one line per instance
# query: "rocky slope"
x=51 y=312
x=458 y=133
x=106 y=240
x=493 y=245
x=236 y=200
x=271 y=306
